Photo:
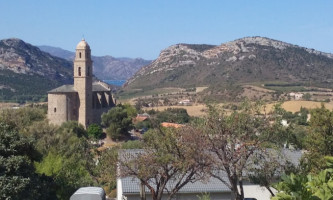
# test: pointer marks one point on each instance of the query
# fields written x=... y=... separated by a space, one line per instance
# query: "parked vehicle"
x=89 y=193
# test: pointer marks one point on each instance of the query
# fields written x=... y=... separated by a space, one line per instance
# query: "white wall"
x=255 y=191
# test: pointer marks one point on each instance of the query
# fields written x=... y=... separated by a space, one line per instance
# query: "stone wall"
x=62 y=107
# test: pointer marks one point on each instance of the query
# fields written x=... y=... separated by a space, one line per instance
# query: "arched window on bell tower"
x=80 y=55
x=79 y=71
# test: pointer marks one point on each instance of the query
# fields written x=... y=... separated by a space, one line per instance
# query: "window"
x=88 y=71
x=79 y=71
x=80 y=55
x=55 y=110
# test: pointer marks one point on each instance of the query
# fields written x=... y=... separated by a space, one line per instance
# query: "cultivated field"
x=294 y=106
x=8 y=105
x=200 y=89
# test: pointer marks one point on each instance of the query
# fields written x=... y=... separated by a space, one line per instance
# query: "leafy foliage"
x=118 y=122
x=21 y=118
x=170 y=155
x=310 y=187
x=320 y=138
x=173 y=115
x=67 y=158
x=136 y=144
x=95 y=131
x=233 y=139
x=18 y=179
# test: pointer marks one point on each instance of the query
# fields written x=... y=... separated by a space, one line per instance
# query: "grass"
x=287 y=88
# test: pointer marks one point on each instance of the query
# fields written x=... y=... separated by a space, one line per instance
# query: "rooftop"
x=82 y=45
x=96 y=87
x=132 y=185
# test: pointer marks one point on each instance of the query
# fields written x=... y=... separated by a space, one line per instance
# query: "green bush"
x=95 y=131
x=118 y=122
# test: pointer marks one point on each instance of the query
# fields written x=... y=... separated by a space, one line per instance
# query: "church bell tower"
x=83 y=82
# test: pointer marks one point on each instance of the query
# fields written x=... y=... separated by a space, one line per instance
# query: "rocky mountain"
x=59 y=52
x=247 y=60
x=27 y=73
x=105 y=67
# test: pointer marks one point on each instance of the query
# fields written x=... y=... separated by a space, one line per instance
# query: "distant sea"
x=115 y=82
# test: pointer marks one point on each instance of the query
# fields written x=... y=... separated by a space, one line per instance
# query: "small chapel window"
x=79 y=71
x=55 y=109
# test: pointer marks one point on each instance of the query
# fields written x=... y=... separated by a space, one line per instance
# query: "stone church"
x=84 y=101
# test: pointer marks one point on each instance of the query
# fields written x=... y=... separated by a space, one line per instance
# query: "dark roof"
x=293 y=156
x=132 y=185
x=63 y=89
x=100 y=87
x=96 y=87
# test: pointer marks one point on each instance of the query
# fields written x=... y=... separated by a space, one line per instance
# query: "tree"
x=307 y=187
x=22 y=117
x=173 y=115
x=18 y=179
x=67 y=159
x=171 y=158
x=266 y=168
x=232 y=140
x=131 y=111
x=319 y=142
x=307 y=96
x=117 y=121
x=107 y=168
x=95 y=131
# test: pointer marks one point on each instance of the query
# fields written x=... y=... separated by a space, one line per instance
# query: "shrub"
x=95 y=131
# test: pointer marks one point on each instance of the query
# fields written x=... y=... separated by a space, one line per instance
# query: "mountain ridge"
x=27 y=73
x=249 y=59
x=105 y=67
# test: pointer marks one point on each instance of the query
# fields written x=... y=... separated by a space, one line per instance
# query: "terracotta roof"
x=168 y=124
x=140 y=118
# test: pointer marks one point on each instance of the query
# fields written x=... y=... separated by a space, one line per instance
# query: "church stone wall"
x=62 y=107
x=73 y=105
x=97 y=114
x=57 y=108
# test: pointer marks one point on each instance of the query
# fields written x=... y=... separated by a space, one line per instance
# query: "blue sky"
x=142 y=28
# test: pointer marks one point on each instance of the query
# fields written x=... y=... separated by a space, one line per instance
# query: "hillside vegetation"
x=224 y=68
x=27 y=73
